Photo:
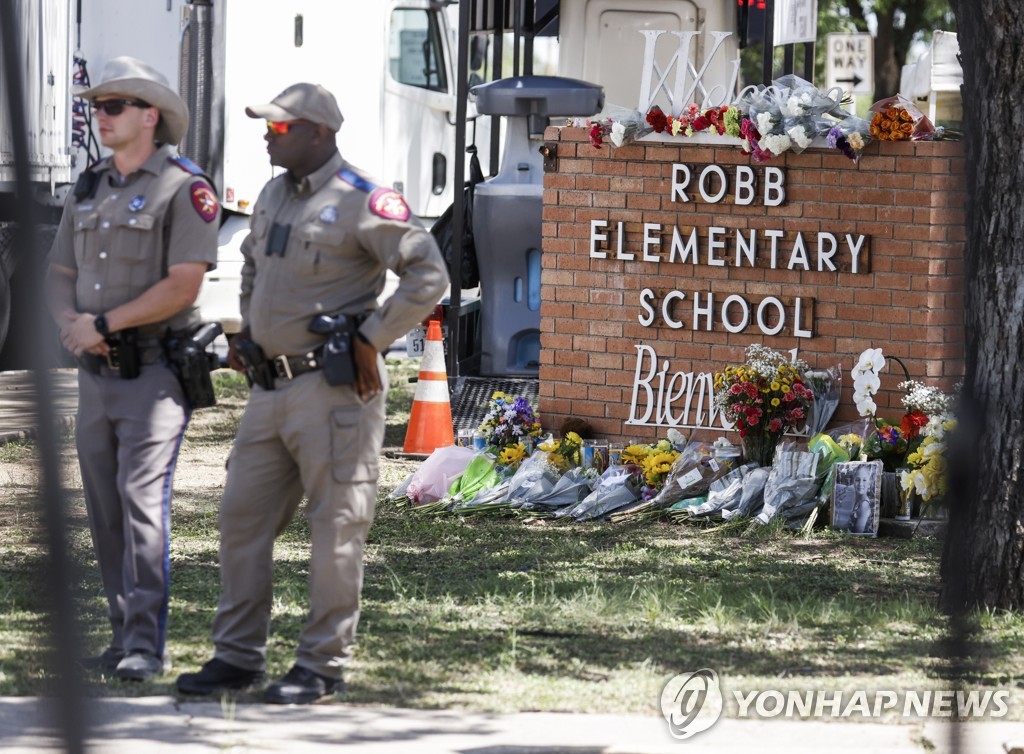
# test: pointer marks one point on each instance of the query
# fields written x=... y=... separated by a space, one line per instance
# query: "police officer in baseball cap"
x=136 y=237
x=322 y=236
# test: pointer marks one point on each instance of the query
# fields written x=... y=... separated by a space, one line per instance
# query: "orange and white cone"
x=430 y=423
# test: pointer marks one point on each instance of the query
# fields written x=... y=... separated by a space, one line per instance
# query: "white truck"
x=391 y=63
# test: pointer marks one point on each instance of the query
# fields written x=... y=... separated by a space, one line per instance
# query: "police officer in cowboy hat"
x=321 y=239
x=136 y=237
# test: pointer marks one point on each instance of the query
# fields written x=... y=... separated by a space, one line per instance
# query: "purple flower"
x=834 y=135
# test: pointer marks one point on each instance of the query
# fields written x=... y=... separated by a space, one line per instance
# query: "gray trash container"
x=507 y=217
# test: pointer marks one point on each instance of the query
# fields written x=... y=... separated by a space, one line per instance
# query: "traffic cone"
x=430 y=423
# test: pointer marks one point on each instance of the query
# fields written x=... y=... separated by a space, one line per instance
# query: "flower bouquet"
x=618 y=125
x=563 y=454
x=898 y=119
x=925 y=425
x=849 y=136
x=509 y=420
x=764 y=398
x=826 y=385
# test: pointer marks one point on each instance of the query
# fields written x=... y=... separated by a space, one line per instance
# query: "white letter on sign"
x=645 y=383
x=678 y=185
x=774 y=187
x=646 y=295
x=595 y=237
x=744 y=185
x=666 y=309
x=652 y=237
x=714 y=170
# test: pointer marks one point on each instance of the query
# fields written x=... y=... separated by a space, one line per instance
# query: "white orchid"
x=865 y=380
x=871 y=360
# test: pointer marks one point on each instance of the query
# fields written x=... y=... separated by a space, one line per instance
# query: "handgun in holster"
x=124 y=353
x=258 y=369
x=192 y=363
x=338 y=359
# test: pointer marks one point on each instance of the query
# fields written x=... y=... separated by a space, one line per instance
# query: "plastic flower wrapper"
x=826 y=386
x=573 y=486
x=801 y=131
x=752 y=496
x=849 y=136
x=433 y=479
x=898 y=118
x=535 y=476
x=480 y=474
x=616 y=489
x=692 y=474
x=399 y=495
x=798 y=97
x=618 y=125
x=724 y=494
x=793 y=481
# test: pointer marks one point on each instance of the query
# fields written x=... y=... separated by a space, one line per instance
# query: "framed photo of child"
x=856 y=497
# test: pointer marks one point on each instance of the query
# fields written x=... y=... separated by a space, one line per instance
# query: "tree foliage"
x=896 y=24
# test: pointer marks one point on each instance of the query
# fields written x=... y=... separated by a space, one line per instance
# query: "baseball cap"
x=301 y=102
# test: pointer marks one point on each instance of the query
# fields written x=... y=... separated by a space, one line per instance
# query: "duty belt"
x=290 y=367
x=151 y=351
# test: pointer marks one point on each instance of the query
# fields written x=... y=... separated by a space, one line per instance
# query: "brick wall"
x=906 y=197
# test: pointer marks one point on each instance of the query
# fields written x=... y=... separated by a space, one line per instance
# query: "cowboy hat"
x=130 y=77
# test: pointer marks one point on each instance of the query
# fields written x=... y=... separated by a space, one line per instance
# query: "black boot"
x=217 y=675
x=302 y=686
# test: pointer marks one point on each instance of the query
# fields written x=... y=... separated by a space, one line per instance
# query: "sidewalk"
x=159 y=725
x=17 y=401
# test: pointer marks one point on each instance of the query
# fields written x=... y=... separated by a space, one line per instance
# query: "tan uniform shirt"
x=121 y=241
x=344 y=236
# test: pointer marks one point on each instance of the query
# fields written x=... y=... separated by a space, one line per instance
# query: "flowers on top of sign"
x=790 y=114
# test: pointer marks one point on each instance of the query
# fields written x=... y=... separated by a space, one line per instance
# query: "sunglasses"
x=116 y=106
x=281 y=127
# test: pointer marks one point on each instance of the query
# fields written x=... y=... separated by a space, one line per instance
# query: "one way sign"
x=850 y=62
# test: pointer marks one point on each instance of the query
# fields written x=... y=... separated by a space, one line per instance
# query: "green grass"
x=491 y=613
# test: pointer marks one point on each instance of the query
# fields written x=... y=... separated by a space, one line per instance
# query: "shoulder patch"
x=187 y=165
x=353 y=179
x=389 y=204
x=204 y=201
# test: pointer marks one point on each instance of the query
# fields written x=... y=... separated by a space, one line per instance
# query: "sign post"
x=850 y=62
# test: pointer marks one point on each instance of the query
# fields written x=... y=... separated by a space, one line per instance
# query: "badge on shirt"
x=137 y=203
x=204 y=201
x=389 y=204
x=329 y=215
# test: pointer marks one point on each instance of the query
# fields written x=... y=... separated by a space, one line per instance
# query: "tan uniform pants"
x=304 y=436
x=128 y=433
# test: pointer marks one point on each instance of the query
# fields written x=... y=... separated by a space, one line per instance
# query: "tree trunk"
x=887 y=68
x=983 y=561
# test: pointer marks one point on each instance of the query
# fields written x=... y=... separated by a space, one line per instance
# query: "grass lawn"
x=491 y=613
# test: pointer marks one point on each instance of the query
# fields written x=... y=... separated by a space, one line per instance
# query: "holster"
x=258 y=369
x=192 y=363
x=124 y=357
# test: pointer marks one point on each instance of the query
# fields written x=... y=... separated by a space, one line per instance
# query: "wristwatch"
x=100 y=323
